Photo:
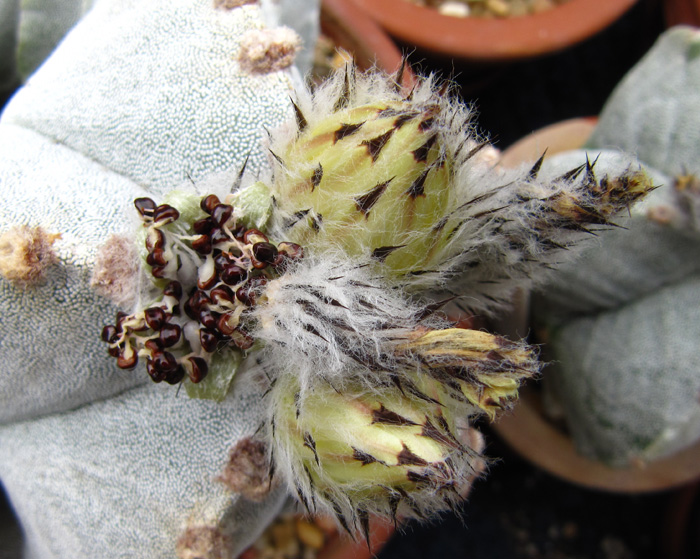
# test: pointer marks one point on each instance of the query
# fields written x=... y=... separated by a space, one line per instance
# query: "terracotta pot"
x=526 y=429
x=491 y=40
x=679 y=12
x=353 y=30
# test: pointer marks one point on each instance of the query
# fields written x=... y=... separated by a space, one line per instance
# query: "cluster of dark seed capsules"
x=179 y=333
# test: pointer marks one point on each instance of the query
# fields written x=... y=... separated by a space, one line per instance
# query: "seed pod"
x=203 y=226
x=159 y=272
x=197 y=302
x=197 y=369
x=110 y=334
x=176 y=375
x=173 y=289
x=210 y=202
x=145 y=206
x=208 y=319
x=155 y=239
x=221 y=294
x=252 y=236
x=202 y=244
x=155 y=317
x=223 y=260
x=156 y=374
x=208 y=340
x=170 y=335
x=265 y=253
x=153 y=345
x=156 y=257
x=226 y=324
x=128 y=358
x=218 y=235
x=222 y=214
x=206 y=274
x=165 y=214
x=165 y=362
x=233 y=274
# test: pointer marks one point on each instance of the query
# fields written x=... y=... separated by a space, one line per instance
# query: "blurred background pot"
x=351 y=29
x=679 y=12
x=495 y=40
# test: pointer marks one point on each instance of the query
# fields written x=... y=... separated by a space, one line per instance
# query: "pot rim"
x=354 y=30
x=495 y=39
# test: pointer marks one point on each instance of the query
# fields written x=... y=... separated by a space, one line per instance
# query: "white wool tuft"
x=328 y=316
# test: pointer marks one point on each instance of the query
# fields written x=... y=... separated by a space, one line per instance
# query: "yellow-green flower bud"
x=352 y=453
x=403 y=181
x=485 y=369
x=372 y=178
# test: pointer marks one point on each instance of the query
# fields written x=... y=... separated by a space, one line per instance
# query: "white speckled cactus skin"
x=139 y=96
x=625 y=319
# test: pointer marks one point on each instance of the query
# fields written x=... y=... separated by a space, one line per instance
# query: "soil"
x=520 y=512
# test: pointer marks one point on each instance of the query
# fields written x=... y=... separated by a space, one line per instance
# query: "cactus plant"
x=623 y=320
x=277 y=310
x=95 y=464
x=366 y=387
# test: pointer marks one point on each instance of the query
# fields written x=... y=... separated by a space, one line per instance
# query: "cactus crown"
x=381 y=197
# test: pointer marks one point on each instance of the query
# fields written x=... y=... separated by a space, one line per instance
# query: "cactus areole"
x=326 y=279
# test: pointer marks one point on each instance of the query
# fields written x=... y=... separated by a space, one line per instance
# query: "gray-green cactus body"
x=136 y=99
x=623 y=318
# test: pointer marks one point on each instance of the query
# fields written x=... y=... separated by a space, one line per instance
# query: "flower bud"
x=352 y=453
x=371 y=178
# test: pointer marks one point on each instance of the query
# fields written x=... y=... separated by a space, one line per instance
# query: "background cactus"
x=138 y=97
x=624 y=320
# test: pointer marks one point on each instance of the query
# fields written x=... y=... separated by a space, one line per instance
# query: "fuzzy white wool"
x=329 y=316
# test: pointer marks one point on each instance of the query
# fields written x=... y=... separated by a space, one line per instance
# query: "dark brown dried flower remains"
x=210 y=272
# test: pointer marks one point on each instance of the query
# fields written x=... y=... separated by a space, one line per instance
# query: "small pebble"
x=454 y=9
x=309 y=534
x=498 y=7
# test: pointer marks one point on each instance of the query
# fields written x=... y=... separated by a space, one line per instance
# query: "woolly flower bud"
x=398 y=180
x=371 y=174
x=352 y=454
x=334 y=322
